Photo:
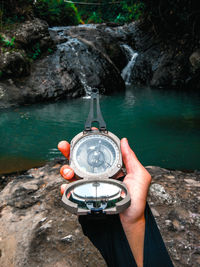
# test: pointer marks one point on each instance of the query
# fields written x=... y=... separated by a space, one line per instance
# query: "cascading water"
x=72 y=44
x=131 y=56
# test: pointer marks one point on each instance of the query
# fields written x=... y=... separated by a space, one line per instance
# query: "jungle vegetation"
x=166 y=17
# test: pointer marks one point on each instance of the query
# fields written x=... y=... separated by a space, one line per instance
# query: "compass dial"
x=95 y=154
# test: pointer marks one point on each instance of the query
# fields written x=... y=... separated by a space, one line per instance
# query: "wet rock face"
x=96 y=37
x=92 y=56
x=169 y=65
x=85 y=58
x=36 y=230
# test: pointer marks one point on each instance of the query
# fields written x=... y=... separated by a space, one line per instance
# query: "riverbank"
x=36 y=230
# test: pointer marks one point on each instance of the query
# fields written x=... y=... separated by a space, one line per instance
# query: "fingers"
x=64 y=148
x=62 y=188
x=67 y=172
x=130 y=160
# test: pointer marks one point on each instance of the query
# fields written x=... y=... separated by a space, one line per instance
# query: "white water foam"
x=131 y=56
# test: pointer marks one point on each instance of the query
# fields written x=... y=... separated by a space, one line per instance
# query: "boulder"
x=71 y=71
x=14 y=64
x=36 y=230
x=31 y=32
x=95 y=36
x=195 y=60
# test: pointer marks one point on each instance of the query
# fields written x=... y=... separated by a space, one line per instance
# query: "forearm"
x=135 y=233
x=121 y=245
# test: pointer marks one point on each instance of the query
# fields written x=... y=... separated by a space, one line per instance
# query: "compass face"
x=95 y=154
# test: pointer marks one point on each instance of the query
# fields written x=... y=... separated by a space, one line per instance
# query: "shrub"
x=125 y=11
x=57 y=12
x=7 y=43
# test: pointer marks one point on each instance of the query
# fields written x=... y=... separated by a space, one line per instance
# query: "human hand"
x=137 y=181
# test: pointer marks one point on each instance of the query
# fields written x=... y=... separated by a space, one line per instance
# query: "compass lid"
x=88 y=196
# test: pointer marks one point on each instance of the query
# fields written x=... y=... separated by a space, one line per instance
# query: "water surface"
x=162 y=127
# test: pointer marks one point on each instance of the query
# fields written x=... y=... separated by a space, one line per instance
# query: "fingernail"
x=62 y=190
x=67 y=171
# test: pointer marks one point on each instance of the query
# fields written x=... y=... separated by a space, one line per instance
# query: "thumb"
x=130 y=160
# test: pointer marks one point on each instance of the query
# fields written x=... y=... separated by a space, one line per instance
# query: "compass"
x=96 y=159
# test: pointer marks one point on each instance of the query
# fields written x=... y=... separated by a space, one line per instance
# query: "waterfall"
x=131 y=56
x=75 y=47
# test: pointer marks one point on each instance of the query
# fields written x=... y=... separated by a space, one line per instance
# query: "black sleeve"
x=107 y=235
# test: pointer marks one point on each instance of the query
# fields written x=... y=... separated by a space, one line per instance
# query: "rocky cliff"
x=69 y=61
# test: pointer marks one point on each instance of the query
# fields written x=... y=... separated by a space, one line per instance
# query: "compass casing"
x=109 y=144
x=73 y=207
x=110 y=172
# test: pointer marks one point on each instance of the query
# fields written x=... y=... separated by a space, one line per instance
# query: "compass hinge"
x=95 y=114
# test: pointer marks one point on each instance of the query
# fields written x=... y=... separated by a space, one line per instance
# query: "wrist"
x=129 y=221
x=129 y=226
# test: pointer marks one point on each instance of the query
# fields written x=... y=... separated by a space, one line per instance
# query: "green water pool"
x=163 y=128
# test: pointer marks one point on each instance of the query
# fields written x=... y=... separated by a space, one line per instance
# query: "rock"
x=97 y=37
x=160 y=64
x=142 y=71
x=84 y=59
x=168 y=223
x=32 y=229
x=36 y=230
x=14 y=64
x=195 y=218
x=177 y=226
x=67 y=239
x=155 y=212
x=179 y=219
x=192 y=182
x=195 y=60
x=71 y=71
x=31 y=32
x=90 y=56
x=159 y=193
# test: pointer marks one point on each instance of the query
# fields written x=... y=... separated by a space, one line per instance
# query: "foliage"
x=167 y=17
x=12 y=11
x=35 y=52
x=119 y=12
x=173 y=17
x=50 y=51
x=7 y=43
x=57 y=12
x=130 y=12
